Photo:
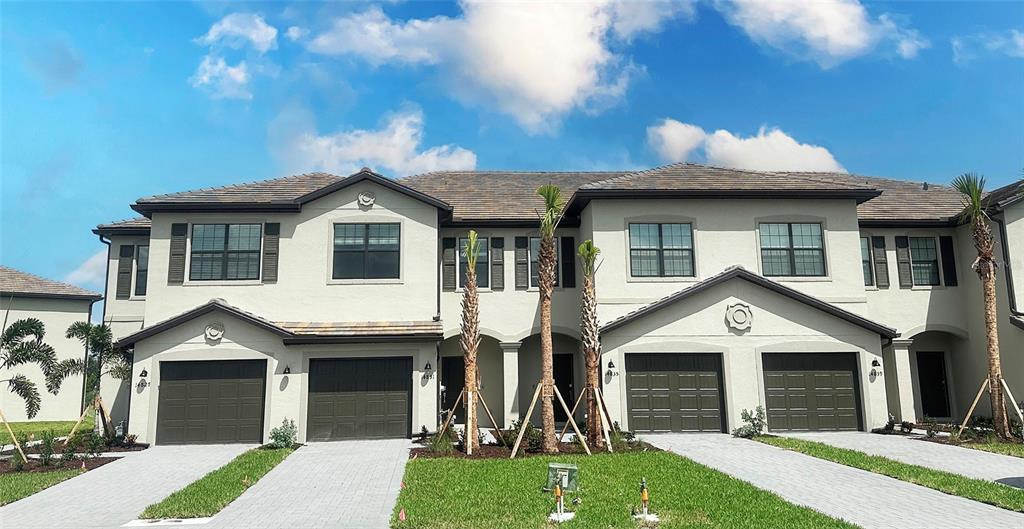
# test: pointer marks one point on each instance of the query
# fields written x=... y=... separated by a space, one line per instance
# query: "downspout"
x=103 y=321
x=85 y=360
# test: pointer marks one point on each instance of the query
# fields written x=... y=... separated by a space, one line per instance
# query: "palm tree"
x=590 y=340
x=22 y=344
x=471 y=339
x=972 y=187
x=546 y=262
x=102 y=359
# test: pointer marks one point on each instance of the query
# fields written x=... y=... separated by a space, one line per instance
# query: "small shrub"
x=46 y=448
x=754 y=423
x=533 y=439
x=18 y=462
x=93 y=444
x=284 y=436
x=129 y=440
x=906 y=427
x=443 y=443
x=480 y=437
x=68 y=453
x=621 y=439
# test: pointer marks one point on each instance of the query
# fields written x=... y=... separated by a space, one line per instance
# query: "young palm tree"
x=22 y=344
x=102 y=359
x=546 y=262
x=590 y=341
x=471 y=339
x=972 y=187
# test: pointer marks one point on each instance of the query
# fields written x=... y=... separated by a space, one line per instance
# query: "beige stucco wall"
x=286 y=395
x=779 y=324
x=305 y=290
x=57 y=315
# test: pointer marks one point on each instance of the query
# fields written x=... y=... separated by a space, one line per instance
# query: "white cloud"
x=825 y=31
x=91 y=273
x=296 y=33
x=536 y=61
x=394 y=149
x=673 y=140
x=239 y=29
x=770 y=150
x=222 y=80
x=968 y=48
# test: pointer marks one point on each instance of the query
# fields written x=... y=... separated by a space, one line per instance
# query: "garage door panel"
x=819 y=391
x=359 y=398
x=689 y=401
x=211 y=402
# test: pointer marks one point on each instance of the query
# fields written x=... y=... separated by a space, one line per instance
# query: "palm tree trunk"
x=546 y=278
x=470 y=346
x=995 y=371
x=591 y=352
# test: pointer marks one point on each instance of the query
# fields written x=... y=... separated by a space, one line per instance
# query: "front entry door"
x=453 y=378
x=563 y=374
x=931 y=378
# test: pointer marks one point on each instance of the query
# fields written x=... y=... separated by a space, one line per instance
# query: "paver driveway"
x=857 y=496
x=1007 y=470
x=342 y=484
x=111 y=495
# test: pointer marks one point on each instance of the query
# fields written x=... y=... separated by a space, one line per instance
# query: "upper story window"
x=141 y=269
x=483 y=268
x=535 y=255
x=924 y=261
x=661 y=250
x=792 y=249
x=865 y=261
x=367 y=251
x=225 y=251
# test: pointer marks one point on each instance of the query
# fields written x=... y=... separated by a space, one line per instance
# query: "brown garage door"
x=359 y=398
x=670 y=392
x=211 y=402
x=812 y=391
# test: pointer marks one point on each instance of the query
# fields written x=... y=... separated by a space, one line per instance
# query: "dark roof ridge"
x=241 y=184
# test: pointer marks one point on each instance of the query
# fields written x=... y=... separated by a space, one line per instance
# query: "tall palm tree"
x=471 y=339
x=546 y=262
x=21 y=344
x=972 y=187
x=590 y=340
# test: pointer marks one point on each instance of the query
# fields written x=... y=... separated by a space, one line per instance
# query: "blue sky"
x=105 y=102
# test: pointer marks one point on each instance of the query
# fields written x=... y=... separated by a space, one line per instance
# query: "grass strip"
x=36 y=428
x=209 y=494
x=1006 y=449
x=980 y=490
x=18 y=485
x=450 y=493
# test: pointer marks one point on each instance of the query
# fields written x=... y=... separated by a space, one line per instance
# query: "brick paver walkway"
x=343 y=484
x=1008 y=470
x=116 y=493
x=857 y=496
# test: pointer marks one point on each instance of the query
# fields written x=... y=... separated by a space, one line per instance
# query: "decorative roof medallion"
x=738 y=316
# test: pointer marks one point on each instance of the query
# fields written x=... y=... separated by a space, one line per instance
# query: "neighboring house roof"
x=1006 y=195
x=280 y=194
x=135 y=226
x=496 y=197
x=23 y=284
x=301 y=332
x=901 y=202
x=738 y=272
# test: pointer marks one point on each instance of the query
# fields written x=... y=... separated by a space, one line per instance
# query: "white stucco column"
x=900 y=370
x=510 y=382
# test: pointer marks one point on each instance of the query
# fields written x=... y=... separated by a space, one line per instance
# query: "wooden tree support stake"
x=526 y=422
x=14 y=439
x=493 y=422
x=571 y=420
x=984 y=384
x=451 y=414
x=1012 y=400
x=573 y=412
x=79 y=423
x=606 y=425
x=469 y=420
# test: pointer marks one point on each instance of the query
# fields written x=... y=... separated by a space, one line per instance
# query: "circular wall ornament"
x=366 y=199
x=738 y=316
x=214 y=331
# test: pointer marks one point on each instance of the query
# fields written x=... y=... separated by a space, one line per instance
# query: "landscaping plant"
x=754 y=423
x=283 y=436
x=590 y=340
x=546 y=262
x=102 y=359
x=972 y=188
x=46 y=447
x=470 y=340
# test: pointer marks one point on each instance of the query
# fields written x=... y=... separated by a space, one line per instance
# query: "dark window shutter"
x=948 y=260
x=568 y=262
x=497 y=263
x=880 y=262
x=125 y=257
x=448 y=263
x=522 y=263
x=176 y=264
x=906 y=272
x=271 y=249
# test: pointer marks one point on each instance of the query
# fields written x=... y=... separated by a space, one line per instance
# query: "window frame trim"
x=873 y=285
x=223 y=281
x=529 y=263
x=661 y=251
x=938 y=262
x=789 y=221
x=366 y=234
x=135 y=271
x=458 y=262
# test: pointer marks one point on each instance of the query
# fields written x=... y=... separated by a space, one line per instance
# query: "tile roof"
x=499 y=195
x=135 y=225
x=1006 y=195
x=690 y=176
x=24 y=284
x=901 y=201
x=738 y=272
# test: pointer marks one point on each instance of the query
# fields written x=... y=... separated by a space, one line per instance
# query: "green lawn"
x=1006 y=449
x=975 y=489
x=16 y=486
x=450 y=493
x=62 y=428
x=209 y=494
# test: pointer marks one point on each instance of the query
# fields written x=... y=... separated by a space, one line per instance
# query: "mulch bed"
x=35 y=466
x=502 y=452
x=34 y=449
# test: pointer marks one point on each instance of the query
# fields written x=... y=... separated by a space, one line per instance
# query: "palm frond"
x=588 y=253
x=972 y=190
x=470 y=249
x=119 y=367
x=554 y=203
x=21 y=386
x=61 y=370
x=30 y=353
x=21 y=330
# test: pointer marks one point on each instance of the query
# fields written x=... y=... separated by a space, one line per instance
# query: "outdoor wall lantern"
x=287 y=370
x=142 y=380
x=611 y=369
x=428 y=371
x=874 y=363
x=875 y=371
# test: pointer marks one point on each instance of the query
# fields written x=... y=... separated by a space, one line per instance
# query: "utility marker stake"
x=645 y=514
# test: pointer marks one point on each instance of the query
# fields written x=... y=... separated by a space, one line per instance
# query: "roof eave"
x=113 y=230
x=582 y=197
x=312 y=339
x=201 y=310
x=366 y=174
x=148 y=208
x=46 y=295
x=944 y=222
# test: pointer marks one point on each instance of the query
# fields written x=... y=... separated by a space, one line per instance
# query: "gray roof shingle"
x=18 y=283
x=1006 y=195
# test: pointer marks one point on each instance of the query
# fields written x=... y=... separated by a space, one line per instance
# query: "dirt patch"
x=34 y=449
x=502 y=452
x=34 y=465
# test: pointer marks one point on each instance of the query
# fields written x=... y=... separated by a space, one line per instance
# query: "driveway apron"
x=863 y=498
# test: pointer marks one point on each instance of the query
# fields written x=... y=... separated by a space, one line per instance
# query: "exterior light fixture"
x=611 y=369
x=287 y=370
x=874 y=363
x=142 y=380
x=144 y=373
x=611 y=364
x=428 y=371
